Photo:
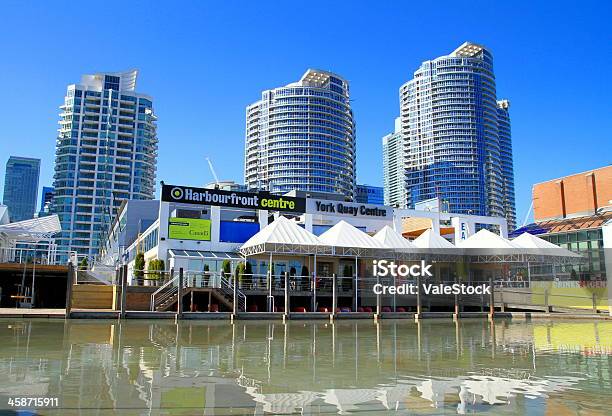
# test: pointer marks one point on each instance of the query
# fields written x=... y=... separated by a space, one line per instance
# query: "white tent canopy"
x=34 y=230
x=344 y=234
x=485 y=239
x=431 y=240
x=280 y=234
x=285 y=236
x=392 y=239
x=538 y=245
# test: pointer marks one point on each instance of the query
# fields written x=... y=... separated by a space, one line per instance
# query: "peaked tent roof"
x=344 y=234
x=529 y=241
x=392 y=239
x=33 y=230
x=282 y=231
x=488 y=240
x=431 y=240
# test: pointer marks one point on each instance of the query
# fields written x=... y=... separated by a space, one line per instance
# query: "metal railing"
x=227 y=289
x=43 y=255
x=150 y=277
x=297 y=283
x=169 y=291
x=526 y=297
x=165 y=293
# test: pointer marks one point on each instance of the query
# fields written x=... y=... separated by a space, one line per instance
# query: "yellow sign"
x=189 y=229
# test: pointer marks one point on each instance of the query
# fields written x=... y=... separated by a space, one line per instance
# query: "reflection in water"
x=159 y=367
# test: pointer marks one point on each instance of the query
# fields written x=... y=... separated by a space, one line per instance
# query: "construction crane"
x=212 y=169
x=528 y=213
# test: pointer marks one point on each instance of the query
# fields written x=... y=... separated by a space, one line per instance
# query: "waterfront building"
x=195 y=227
x=46 y=201
x=394 y=167
x=368 y=194
x=207 y=235
x=133 y=217
x=302 y=137
x=21 y=187
x=457 y=135
x=106 y=153
x=572 y=212
x=576 y=195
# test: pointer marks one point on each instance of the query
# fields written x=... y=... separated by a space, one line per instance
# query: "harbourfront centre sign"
x=217 y=197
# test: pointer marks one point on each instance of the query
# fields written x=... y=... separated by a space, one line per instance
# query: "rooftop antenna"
x=212 y=169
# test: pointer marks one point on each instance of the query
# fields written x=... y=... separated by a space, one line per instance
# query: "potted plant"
x=84 y=264
x=155 y=271
x=239 y=273
x=139 y=265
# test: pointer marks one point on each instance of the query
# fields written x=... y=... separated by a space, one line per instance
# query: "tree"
x=139 y=265
x=248 y=269
x=84 y=264
x=226 y=267
x=239 y=273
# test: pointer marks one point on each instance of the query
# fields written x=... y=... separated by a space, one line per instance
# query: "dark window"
x=111 y=82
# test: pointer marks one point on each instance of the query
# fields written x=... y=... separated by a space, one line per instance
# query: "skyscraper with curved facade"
x=106 y=152
x=457 y=137
x=302 y=137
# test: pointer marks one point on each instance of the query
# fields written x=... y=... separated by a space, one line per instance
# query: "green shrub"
x=84 y=264
x=240 y=270
x=226 y=268
x=139 y=265
x=155 y=269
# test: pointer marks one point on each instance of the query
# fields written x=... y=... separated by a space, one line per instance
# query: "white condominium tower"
x=394 y=167
x=458 y=145
x=106 y=152
x=302 y=137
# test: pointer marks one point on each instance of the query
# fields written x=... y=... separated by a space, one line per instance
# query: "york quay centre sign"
x=341 y=208
x=204 y=196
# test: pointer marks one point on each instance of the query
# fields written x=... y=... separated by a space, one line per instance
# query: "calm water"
x=400 y=367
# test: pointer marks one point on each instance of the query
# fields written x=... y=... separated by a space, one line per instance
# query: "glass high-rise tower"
x=394 y=168
x=302 y=137
x=21 y=187
x=457 y=136
x=106 y=152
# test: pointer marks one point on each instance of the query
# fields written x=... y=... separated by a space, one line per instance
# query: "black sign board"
x=204 y=196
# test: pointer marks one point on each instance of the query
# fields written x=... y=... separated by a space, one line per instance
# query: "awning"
x=205 y=255
x=34 y=230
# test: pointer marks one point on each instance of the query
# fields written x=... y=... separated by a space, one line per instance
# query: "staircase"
x=220 y=286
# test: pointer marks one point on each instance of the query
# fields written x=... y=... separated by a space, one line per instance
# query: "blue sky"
x=203 y=62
